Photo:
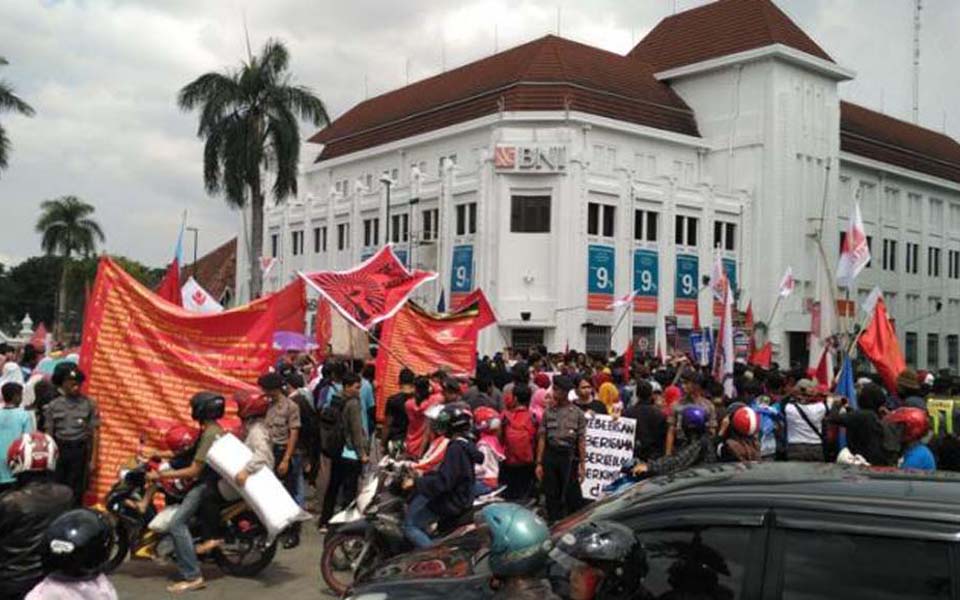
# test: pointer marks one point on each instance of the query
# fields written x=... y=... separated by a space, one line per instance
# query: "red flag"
x=169 y=288
x=748 y=319
x=39 y=338
x=424 y=341
x=476 y=302
x=324 y=326
x=822 y=372
x=879 y=343
x=628 y=361
x=763 y=356
x=372 y=292
x=696 y=315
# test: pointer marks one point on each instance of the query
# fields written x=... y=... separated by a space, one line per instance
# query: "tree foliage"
x=67 y=227
x=9 y=102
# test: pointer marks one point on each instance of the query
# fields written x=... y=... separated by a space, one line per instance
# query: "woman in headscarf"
x=538 y=402
x=610 y=396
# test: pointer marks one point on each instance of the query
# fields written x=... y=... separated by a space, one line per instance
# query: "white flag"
x=787 y=283
x=855 y=253
x=198 y=300
x=267 y=263
x=718 y=280
x=624 y=301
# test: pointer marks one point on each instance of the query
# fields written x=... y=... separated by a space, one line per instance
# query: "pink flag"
x=787 y=283
x=855 y=253
x=623 y=301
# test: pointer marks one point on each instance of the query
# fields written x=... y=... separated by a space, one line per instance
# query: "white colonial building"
x=557 y=177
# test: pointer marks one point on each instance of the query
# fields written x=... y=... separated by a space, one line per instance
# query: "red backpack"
x=519 y=436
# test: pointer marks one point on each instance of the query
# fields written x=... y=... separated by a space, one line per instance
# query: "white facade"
x=769 y=151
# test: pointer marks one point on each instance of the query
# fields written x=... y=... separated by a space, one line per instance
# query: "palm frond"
x=275 y=57
x=4 y=148
x=9 y=101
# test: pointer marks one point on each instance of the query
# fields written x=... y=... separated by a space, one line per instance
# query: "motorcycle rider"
x=180 y=441
x=252 y=409
x=599 y=559
x=206 y=408
x=698 y=447
x=448 y=491
x=739 y=434
x=519 y=544
x=27 y=510
x=76 y=546
x=914 y=425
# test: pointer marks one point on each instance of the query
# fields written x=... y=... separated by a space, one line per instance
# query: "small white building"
x=557 y=177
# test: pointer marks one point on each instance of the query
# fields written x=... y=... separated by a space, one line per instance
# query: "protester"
x=14 y=423
x=76 y=547
x=698 y=447
x=252 y=409
x=599 y=559
x=448 y=491
x=866 y=434
x=541 y=390
x=307 y=440
x=27 y=510
x=205 y=408
x=561 y=452
x=283 y=424
x=913 y=425
x=352 y=438
x=519 y=430
x=416 y=408
x=693 y=386
x=609 y=396
x=804 y=414
x=651 y=424
x=909 y=392
x=738 y=433
x=395 y=413
x=488 y=426
x=519 y=545
x=368 y=403
x=72 y=420
x=584 y=397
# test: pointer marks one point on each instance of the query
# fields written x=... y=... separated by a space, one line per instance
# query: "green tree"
x=67 y=229
x=249 y=119
x=9 y=102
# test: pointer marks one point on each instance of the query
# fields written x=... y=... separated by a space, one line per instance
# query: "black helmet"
x=207 y=406
x=454 y=419
x=66 y=370
x=77 y=544
x=608 y=547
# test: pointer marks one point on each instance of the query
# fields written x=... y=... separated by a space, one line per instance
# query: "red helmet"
x=251 y=405
x=486 y=418
x=32 y=452
x=914 y=423
x=180 y=437
x=745 y=421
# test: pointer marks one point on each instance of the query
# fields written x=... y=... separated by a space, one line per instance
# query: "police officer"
x=72 y=420
x=561 y=452
x=283 y=425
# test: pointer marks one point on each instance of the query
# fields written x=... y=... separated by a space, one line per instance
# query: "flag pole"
x=626 y=309
x=773 y=312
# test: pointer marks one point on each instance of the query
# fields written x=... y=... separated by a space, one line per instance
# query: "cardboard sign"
x=609 y=447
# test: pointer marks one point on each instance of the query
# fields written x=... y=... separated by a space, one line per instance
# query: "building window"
x=467 y=218
x=933 y=351
x=686 y=232
x=399 y=228
x=891 y=206
x=343 y=236
x=645 y=225
x=609 y=220
x=913 y=258
x=725 y=235
x=371 y=232
x=889 y=255
x=323 y=239
x=913 y=208
x=274 y=244
x=601 y=215
x=933 y=262
x=598 y=339
x=296 y=239
x=530 y=214
x=910 y=348
x=953 y=353
x=953 y=264
x=955 y=217
x=936 y=214
x=431 y=224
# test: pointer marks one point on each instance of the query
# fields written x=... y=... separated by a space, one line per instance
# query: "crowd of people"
x=518 y=424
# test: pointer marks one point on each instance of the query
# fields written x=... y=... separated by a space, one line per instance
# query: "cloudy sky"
x=103 y=76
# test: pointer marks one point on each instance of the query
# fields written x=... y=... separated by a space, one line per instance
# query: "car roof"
x=838 y=488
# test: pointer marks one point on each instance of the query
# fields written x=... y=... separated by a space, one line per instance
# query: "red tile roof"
x=719 y=29
x=883 y=138
x=550 y=73
x=215 y=271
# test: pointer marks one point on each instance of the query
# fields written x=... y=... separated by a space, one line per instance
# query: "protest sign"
x=609 y=447
x=144 y=357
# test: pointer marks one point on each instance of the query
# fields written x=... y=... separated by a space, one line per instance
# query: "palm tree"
x=9 y=101
x=249 y=118
x=67 y=229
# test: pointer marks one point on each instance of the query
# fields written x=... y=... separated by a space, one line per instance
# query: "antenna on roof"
x=246 y=36
x=916 y=60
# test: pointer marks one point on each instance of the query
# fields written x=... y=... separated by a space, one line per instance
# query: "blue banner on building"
x=687 y=284
x=402 y=256
x=730 y=269
x=601 y=263
x=646 y=280
x=461 y=273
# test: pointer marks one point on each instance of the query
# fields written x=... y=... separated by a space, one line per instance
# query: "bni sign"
x=530 y=158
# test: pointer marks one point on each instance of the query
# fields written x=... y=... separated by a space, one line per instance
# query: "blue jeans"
x=419 y=517
x=185 y=555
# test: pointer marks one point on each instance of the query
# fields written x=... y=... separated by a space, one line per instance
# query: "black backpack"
x=330 y=426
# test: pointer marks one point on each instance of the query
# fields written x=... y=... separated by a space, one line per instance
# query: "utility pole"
x=916 y=60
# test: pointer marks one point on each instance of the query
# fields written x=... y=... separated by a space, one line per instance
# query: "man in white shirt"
x=804 y=416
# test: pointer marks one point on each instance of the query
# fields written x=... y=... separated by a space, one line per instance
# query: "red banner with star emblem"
x=371 y=292
x=144 y=358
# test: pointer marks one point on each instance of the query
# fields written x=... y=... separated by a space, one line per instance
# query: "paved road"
x=294 y=574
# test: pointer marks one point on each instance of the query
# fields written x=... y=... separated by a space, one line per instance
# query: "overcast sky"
x=103 y=77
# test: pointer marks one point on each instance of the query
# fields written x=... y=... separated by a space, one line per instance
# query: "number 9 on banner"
x=603 y=278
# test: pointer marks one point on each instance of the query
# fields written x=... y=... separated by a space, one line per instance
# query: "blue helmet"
x=693 y=419
x=520 y=540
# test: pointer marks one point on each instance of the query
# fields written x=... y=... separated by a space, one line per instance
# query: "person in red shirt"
x=416 y=408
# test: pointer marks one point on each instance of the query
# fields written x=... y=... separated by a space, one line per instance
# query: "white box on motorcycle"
x=263 y=492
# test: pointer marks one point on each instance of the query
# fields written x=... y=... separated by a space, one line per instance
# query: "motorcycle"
x=244 y=553
x=370 y=529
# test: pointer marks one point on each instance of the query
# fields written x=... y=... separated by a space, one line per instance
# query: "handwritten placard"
x=609 y=447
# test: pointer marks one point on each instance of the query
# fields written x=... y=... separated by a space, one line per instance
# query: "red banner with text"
x=145 y=357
